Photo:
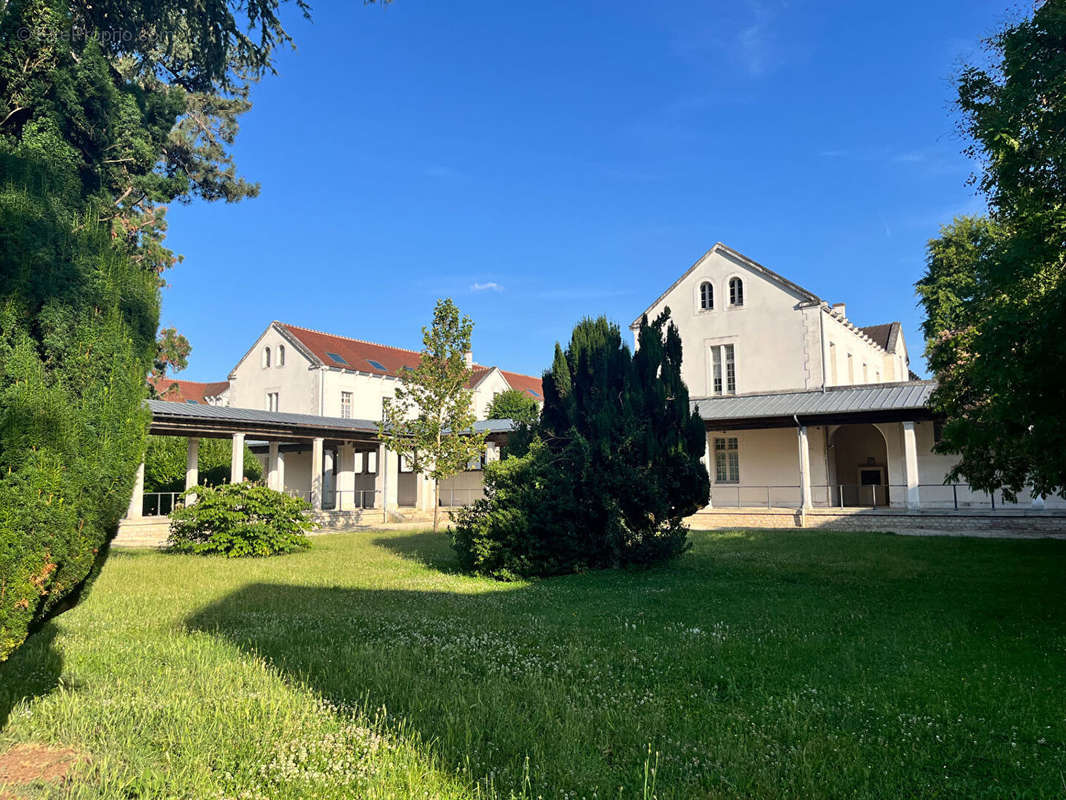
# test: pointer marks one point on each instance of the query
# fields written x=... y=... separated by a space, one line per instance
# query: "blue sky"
x=539 y=162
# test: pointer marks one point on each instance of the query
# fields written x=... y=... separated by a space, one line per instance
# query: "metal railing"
x=958 y=496
x=340 y=499
x=453 y=498
x=160 y=504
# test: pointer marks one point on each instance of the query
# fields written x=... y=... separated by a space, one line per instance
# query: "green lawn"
x=799 y=664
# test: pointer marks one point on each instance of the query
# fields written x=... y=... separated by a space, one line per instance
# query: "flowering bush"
x=240 y=519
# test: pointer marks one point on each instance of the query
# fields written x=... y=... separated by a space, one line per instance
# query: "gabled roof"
x=175 y=391
x=378 y=359
x=754 y=266
x=885 y=335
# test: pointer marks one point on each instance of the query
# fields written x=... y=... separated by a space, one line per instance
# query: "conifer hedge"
x=77 y=336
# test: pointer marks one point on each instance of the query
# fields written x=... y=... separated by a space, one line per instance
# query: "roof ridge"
x=522 y=374
x=363 y=341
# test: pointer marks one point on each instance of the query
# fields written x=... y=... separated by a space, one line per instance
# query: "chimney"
x=468 y=357
x=839 y=308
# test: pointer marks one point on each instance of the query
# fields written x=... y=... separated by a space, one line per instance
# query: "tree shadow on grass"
x=32 y=671
x=433 y=550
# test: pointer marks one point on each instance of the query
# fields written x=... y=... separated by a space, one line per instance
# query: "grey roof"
x=865 y=399
x=164 y=410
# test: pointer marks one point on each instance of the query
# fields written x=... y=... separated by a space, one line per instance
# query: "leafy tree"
x=613 y=469
x=430 y=420
x=108 y=111
x=240 y=519
x=171 y=354
x=514 y=405
x=164 y=463
x=995 y=289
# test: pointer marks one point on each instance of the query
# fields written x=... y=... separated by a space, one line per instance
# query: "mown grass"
x=795 y=664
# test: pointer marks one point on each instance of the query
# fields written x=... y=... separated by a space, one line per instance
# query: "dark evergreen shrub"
x=612 y=470
x=77 y=336
x=240 y=519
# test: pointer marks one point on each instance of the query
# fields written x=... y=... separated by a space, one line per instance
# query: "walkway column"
x=707 y=463
x=388 y=476
x=910 y=466
x=346 y=478
x=272 y=467
x=316 y=473
x=136 y=509
x=192 y=466
x=236 y=463
x=424 y=492
x=805 y=467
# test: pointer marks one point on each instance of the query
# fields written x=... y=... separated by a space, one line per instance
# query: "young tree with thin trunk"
x=430 y=420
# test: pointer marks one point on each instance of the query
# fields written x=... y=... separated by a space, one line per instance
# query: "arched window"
x=281 y=355
x=736 y=292
x=266 y=356
x=706 y=296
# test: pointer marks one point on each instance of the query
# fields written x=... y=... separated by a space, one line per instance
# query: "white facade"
x=746 y=330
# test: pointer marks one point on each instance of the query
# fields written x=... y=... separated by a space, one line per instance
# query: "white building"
x=803 y=408
x=291 y=370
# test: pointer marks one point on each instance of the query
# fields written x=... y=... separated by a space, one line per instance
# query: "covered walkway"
x=349 y=467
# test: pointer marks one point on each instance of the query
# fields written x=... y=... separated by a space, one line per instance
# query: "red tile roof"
x=177 y=391
x=357 y=354
x=525 y=383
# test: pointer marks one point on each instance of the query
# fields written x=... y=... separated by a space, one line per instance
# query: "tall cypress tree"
x=613 y=469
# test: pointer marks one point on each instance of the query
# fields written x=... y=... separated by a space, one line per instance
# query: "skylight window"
x=338 y=358
x=377 y=365
x=408 y=369
x=533 y=393
x=194 y=402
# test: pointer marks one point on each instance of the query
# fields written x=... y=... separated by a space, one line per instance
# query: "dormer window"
x=266 y=356
x=281 y=355
x=706 y=296
x=736 y=292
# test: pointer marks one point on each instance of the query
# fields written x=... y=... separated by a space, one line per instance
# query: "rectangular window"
x=346 y=405
x=833 y=364
x=726 y=460
x=723 y=370
x=406 y=465
x=865 y=379
x=272 y=401
x=357 y=462
x=372 y=462
x=851 y=369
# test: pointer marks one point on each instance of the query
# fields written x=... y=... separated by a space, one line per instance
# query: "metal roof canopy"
x=220 y=422
x=838 y=405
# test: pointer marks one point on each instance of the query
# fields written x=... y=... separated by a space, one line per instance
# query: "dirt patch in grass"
x=27 y=764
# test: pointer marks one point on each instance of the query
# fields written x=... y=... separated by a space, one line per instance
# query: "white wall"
x=768 y=332
x=296 y=382
x=862 y=350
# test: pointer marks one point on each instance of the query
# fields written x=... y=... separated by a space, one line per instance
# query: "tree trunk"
x=436 y=503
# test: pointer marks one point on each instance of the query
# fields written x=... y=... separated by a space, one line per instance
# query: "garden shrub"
x=612 y=469
x=240 y=519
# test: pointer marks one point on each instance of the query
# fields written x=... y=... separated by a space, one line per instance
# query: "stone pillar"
x=236 y=463
x=709 y=465
x=910 y=466
x=316 y=473
x=136 y=509
x=346 y=478
x=387 y=479
x=273 y=465
x=192 y=467
x=804 y=467
x=424 y=493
